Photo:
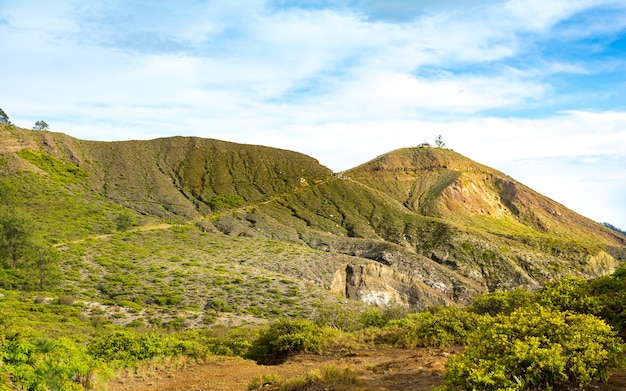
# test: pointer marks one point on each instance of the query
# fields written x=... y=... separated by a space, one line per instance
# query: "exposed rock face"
x=600 y=265
x=380 y=285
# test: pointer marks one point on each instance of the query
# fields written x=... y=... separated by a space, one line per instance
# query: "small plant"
x=124 y=222
x=262 y=381
x=66 y=300
x=327 y=379
x=43 y=364
x=225 y=202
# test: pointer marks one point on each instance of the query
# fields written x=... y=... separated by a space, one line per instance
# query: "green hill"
x=261 y=231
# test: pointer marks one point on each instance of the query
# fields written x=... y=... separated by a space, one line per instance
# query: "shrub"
x=42 y=364
x=338 y=317
x=236 y=342
x=440 y=327
x=124 y=221
x=569 y=294
x=535 y=348
x=501 y=303
x=66 y=300
x=611 y=293
x=376 y=317
x=127 y=347
x=285 y=337
x=327 y=380
x=225 y=201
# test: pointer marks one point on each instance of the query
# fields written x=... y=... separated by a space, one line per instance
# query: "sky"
x=533 y=88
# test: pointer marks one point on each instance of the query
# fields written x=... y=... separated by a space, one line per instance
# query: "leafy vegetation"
x=4 y=118
x=535 y=348
x=328 y=378
x=41 y=125
x=44 y=364
x=225 y=201
x=58 y=169
x=513 y=340
x=26 y=261
x=286 y=337
x=113 y=255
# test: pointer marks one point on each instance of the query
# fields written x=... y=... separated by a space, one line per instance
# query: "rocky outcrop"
x=380 y=285
x=600 y=265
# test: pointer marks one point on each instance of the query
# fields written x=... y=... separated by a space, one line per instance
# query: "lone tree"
x=41 y=125
x=124 y=221
x=4 y=118
x=439 y=142
x=26 y=262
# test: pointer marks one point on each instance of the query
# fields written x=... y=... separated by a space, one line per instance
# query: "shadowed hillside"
x=416 y=226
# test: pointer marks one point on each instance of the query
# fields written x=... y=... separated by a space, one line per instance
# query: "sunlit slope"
x=420 y=226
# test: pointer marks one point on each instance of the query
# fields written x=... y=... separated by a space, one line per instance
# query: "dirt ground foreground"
x=378 y=370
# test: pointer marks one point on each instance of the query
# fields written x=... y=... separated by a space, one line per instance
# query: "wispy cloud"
x=344 y=81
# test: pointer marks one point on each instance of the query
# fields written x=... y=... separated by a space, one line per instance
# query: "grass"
x=185 y=268
x=329 y=377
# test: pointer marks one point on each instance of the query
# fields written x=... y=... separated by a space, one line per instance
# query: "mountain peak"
x=438 y=225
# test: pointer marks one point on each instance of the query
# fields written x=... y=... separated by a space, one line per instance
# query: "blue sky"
x=533 y=88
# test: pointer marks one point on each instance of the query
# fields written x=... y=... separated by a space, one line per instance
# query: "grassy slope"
x=429 y=213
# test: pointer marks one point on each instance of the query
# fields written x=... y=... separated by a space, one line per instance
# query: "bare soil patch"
x=378 y=370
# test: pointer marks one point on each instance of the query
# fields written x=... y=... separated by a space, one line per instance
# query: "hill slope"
x=417 y=226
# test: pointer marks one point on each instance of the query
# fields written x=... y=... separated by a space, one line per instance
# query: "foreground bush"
x=535 y=348
x=569 y=294
x=285 y=337
x=439 y=327
x=501 y=303
x=41 y=364
x=125 y=348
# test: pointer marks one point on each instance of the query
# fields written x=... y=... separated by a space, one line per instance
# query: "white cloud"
x=340 y=83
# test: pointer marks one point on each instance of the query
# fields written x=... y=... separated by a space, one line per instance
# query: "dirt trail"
x=378 y=370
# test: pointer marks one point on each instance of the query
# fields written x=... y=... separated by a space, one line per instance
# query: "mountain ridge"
x=420 y=226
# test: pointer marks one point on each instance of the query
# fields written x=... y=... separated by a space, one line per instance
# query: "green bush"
x=610 y=291
x=443 y=326
x=501 y=303
x=535 y=349
x=569 y=294
x=285 y=337
x=236 y=342
x=42 y=364
x=378 y=318
x=124 y=221
x=225 y=202
x=125 y=348
x=128 y=347
x=339 y=317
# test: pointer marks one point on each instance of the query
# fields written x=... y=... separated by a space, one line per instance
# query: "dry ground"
x=378 y=370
